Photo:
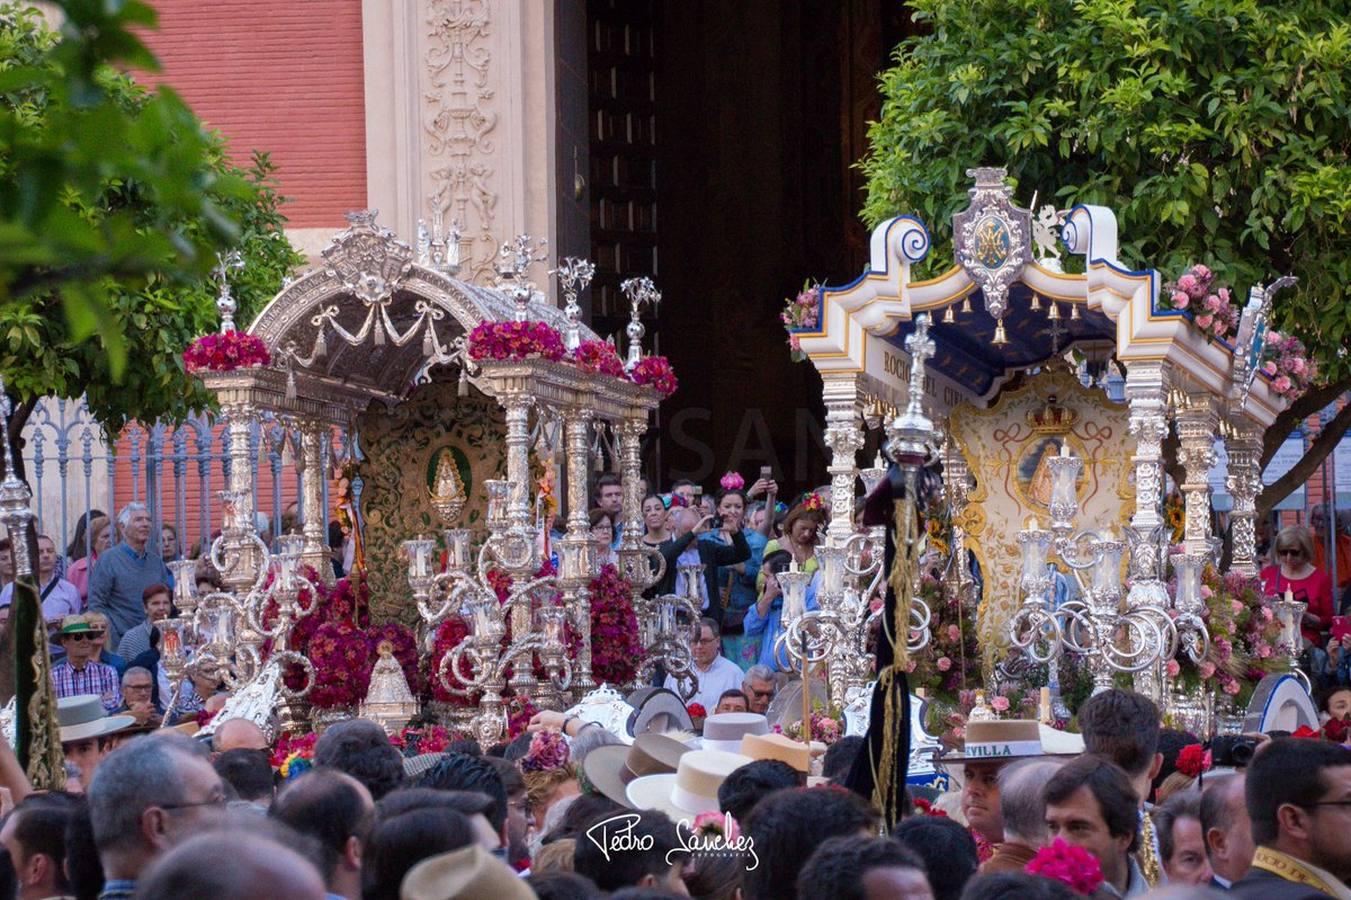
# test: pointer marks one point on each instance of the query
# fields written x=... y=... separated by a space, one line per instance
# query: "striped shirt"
x=94 y=678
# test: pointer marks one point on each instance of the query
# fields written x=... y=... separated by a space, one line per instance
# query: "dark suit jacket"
x=1259 y=884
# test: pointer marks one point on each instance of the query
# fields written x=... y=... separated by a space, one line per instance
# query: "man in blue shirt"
x=765 y=617
x=121 y=575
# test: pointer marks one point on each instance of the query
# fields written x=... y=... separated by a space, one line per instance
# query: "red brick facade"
x=285 y=77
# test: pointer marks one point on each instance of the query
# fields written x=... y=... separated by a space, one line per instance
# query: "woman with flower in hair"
x=801 y=532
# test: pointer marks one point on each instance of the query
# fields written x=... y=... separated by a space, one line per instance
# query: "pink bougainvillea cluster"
x=655 y=371
x=1070 y=865
x=225 y=352
x=600 y=357
x=515 y=340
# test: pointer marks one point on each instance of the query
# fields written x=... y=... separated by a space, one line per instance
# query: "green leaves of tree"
x=113 y=204
x=1218 y=130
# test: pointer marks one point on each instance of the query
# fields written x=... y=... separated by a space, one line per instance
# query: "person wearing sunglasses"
x=1294 y=571
x=80 y=673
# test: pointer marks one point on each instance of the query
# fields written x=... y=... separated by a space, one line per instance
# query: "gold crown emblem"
x=1051 y=418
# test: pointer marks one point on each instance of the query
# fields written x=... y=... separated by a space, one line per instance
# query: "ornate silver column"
x=1244 y=481
x=844 y=437
x=1197 y=423
x=240 y=553
x=575 y=556
x=311 y=463
x=517 y=409
x=1147 y=393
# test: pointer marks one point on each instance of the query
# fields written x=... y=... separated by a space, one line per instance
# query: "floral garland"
x=1244 y=633
x=616 y=651
x=801 y=313
x=1287 y=363
x=515 y=340
x=1211 y=310
x=225 y=352
x=430 y=739
x=599 y=357
x=1070 y=865
x=656 y=372
x=342 y=659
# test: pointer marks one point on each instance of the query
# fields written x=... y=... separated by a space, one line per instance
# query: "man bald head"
x=258 y=867
x=238 y=734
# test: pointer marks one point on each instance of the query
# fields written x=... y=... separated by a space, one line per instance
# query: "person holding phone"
x=735 y=583
x=685 y=548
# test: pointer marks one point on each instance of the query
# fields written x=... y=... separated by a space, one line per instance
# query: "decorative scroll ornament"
x=369 y=260
x=991 y=236
x=1046 y=235
x=1251 y=336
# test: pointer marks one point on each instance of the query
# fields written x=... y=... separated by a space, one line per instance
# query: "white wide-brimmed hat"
x=692 y=789
x=82 y=718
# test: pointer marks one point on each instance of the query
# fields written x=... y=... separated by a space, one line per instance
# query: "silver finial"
x=640 y=291
x=911 y=434
x=574 y=275
x=514 y=259
x=225 y=301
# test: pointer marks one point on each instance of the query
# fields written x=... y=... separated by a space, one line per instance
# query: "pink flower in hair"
x=732 y=481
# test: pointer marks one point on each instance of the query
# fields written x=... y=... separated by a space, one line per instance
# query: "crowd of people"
x=569 y=810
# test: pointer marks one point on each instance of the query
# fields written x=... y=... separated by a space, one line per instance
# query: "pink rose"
x=1236 y=606
x=1187 y=283
x=1202 y=272
x=1224 y=294
x=1212 y=302
x=1281 y=384
x=1273 y=337
x=1231 y=687
x=1206 y=592
x=954 y=633
x=943 y=664
x=999 y=703
x=1263 y=651
x=1267 y=614
x=1181 y=300
x=1269 y=368
x=1204 y=321
x=1206 y=669
x=1172 y=668
x=1297 y=366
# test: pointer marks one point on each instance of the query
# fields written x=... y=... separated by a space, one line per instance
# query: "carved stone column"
x=576 y=547
x=844 y=437
x=1244 y=482
x=311 y=463
x=1197 y=423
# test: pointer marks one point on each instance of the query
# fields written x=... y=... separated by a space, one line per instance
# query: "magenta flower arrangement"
x=598 y=357
x=448 y=636
x=548 y=750
x=1072 y=866
x=615 y=649
x=515 y=340
x=1287 y=364
x=655 y=371
x=342 y=661
x=225 y=352
x=1211 y=307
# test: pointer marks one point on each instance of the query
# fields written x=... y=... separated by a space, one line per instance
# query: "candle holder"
x=1288 y=612
x=672 y=620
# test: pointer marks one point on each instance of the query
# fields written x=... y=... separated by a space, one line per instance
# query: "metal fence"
x=74 y=467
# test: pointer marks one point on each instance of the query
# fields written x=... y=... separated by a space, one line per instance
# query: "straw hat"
x=74 y=624
x=998 y=741
x=724 y=731
x=611 y=768
x=470 y=873
x=777 y=746
x=82 y=718
x=692 y=790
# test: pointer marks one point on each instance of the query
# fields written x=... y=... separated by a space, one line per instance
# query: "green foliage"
x=113 y=204
x=1217 y=130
